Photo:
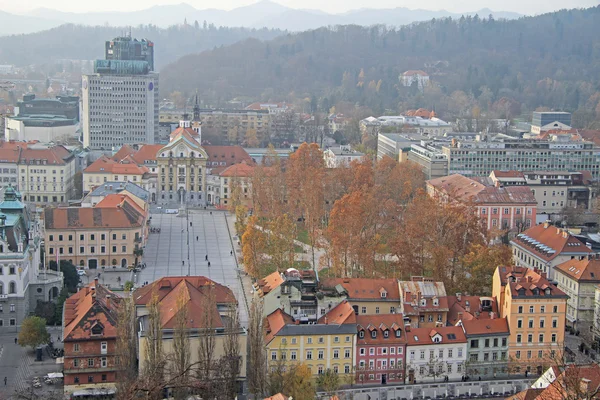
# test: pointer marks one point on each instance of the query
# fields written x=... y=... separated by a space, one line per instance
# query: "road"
x=182 y=245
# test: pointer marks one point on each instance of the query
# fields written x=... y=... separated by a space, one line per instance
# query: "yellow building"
x=536 y=310
x=329 y=344
x=112 y=233
x=368 y=296
x=105 y=170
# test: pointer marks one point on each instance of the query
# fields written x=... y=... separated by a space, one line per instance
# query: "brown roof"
x=486 y=326
x=147 y=153
x=274 y=322
x=508 y=174
x=527 y=282
x=109 y=166
x=590 y=135
x=465 y=189
x=343 y=313
x=557 y=240
x=124 y=217
x=229 y=154
x=241 y=170
x=196 y=290
x=527 y=394
x=270 y=282
x=380 y=322
x=471 y=307
x=421 y=336
x=124 y=151
x=118 y=200
x=581 y=270
x=569 y=383
x=56 y=155
x=365 y=288
x=93 y=304
x=9 y=155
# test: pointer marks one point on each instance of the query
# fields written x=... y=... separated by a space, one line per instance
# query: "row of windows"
x=309 y=354
x=92 y=236
x=82 y=250
x=488 y=343
x=542 y=309
x=381 y=364
x=486 y=356
x=540 y=338
x=440 y=354
x=540 y=354
x=11 y=322
x=90 y=379
x=12 y=270
x=542 y=323
x=321 y=340
x=380 y=351
x=12 y=289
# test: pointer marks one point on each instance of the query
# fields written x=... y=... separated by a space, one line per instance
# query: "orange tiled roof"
x=9 y=155
x=486 y=326
x=127 y=166
x=197 y=292
x=527 y=394
x=229 y=154
x=147 y=153
x=508 y=174
x=188 y=132
x=124 y=217
x=92 y=304
x=421 y=336
x=241 y=170
x=56 y=155
x=465 y=189
x=118 y=200
x=343 y=313
x=573 y=377
x=474 y=307
x=274 y=322
x=365 y=288
x=581 y=270
x=391 y=322
x=526 y=282
x=124 y=151
x=557 y=240
x=270 y=282
x=277 y=396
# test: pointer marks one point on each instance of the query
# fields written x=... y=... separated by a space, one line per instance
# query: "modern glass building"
x=541 y=119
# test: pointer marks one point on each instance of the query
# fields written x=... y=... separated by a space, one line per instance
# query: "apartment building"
x=90 y=340
x=9 y=158
x=105 y=169
x=380 y=349
x=432 y=354
x=328 y=344
x=22 y=281
x=367 y=296
x=108 y=235
x=208 y=305
x=342 y=156
x=423 y=302
x=140 y=196
x=535 y=310
x=433 y=163
x=579 y=279
x=511 y=208
x=544 y=246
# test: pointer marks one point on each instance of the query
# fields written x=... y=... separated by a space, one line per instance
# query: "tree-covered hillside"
x=551 y=60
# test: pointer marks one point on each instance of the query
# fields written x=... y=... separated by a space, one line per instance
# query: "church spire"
x=196 y=109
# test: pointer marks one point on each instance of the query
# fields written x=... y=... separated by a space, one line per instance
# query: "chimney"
x=95 y=282
x=492 y=315
x=407 y=328
x=584 y=385
x=565 y=233
x=546 y=224
x=407 y=297
x=108 y=300
x=458 y=296
x=529 y=279
x=326 y=320
x=297 y=322
x=460 y=315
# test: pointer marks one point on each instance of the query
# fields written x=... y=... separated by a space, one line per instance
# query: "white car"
x=81 y=272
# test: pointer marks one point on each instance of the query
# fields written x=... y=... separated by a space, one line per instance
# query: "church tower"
x=196 y=123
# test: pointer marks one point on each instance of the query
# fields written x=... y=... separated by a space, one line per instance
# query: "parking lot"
x=184 y=243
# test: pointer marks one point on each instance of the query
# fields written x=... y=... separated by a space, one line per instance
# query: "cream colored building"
x=105 y=169
x=111 y=234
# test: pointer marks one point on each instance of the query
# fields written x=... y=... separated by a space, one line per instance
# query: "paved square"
x=181 y=248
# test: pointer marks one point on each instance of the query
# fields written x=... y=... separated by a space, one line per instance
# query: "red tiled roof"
x=569 y=383
x=343 y=313
x=231 y=155
x=277 y=396
x=365 y=288
x=465 y=189
x=556 y=239
x=474 y=307
x=92 y=304
x=241 y=170
x=581 y=270
x=56 y=155
x=392 y=322
x=196 y=292
x=527 y=394
x=118 y=200
x=422 y=336
x=525 y=281
x=274 y=322
x=270 y=282
x=125 y=217
x=188 y=132
x=416 y=309
x=508 y=174
x=9 y=155
x=147 y=153
x=127 y=166
x=124 y=151
x=486 y=326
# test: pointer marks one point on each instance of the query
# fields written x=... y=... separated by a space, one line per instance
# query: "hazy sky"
x=333 y=6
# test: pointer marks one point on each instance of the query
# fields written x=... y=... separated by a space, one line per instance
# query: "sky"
x=529 y=7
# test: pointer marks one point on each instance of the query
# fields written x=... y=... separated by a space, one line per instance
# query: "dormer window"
x=361 y=334
x=536 y=291
x=437 y=339
x=436 y=302
x=547 y=291
x=383 y=295
x=398 y=333
x=97 y=329
x=386 y=334
x=374 y=334
x=423 y=302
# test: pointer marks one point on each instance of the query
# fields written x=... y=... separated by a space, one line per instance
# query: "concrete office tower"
x=120 y=101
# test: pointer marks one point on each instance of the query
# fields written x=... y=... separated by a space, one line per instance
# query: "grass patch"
x=298 y=249
x=302 y=265
x=302 y=234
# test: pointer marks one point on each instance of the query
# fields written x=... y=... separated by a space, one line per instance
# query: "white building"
x=42 y=128
x=432 y=354
x=579 y=279
x=336 y=157
x=544 y=246
x=432 y=127
x=119 y=109
x=421 y=77
x=22 y=282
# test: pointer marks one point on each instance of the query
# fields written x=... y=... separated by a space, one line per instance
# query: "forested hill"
x=551 y=60
x=87 y=42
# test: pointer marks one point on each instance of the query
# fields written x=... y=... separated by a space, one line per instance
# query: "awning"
x=53 y=375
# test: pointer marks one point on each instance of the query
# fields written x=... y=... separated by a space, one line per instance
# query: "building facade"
x=342 y=156
x=367 y=296
x=544 y=246
x=550 y=120
x=420 y=78
x=579 y=279
x=535 y=310
x=90 y=340
x=433 y=163
x=105 y=170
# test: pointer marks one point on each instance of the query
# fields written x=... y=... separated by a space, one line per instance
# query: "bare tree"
x=181 y=345
x=231 y=361
x=206 y=340
x=257 y=374
x=154 y=357
x=126 y=357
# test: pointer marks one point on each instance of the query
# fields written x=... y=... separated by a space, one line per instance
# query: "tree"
x=46 y=310
x=154 y=357
x=230 y=363
x=253 y=247
x=181 y=345
x=128 y=286
x=60 y=302
x=78 y=184
x=251 y=138
x=126 y=350
x=33 y=332
x=241 y=216
x=301 y=383
x=257 y=373
x=70 y=276
x=206 y=343
x=481 y=261
x=280 y=241
x=329 y=381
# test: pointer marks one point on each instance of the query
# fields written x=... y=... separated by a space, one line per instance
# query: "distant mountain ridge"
x=264 y=13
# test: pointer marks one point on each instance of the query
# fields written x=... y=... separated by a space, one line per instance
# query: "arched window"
x=12 y=287
x=192 y=154
x=103 y=262
x=181 y=155
x=114 y=261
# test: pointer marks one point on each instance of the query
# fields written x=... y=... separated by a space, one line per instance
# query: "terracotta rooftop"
x=270 y=282
x=123 y=217
x=127 y=166
x=124 y=151
x=576 y=381
x=525 y=282
x=343 y=313
x=471 y=307
x=198 y=293
x=465 y=189
x=189 y=132
x=277 y=396
x=587 y=270
x=380 y=322
x=365 y=288
x=241 y=170
x=228 y=154
x=496 y=326
x=508 y=174
x=423 y=336
x=118 y=200
x=56 y=155
x=146 y=152
x=547 y=242
x=527 y=394
x=93 y=304
x=274 y=322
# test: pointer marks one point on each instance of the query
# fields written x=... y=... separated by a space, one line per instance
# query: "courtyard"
x=183 y=245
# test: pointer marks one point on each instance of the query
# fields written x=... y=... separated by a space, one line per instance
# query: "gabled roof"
x=575 y=381
x=343 y=313
x=196 y=292
x=547 y=242
x=496 y=326
x=147 y=153
x=91 y=305
x=365 y=288
x=380 y=322
x=126 y=166
x=125 y=216
x=270 y=282
x=230 y=155
x=56 y=155
x=525 y=282
x=119 y=200
x=464 y=189
x=274 y=322
x=241 y=170
x=527 y=394
x=587 y=270
x=471 y=307
x=124 y=151
x=424 y=336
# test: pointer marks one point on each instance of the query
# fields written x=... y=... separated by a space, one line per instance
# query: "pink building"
x=380 y=349
x=501 y=208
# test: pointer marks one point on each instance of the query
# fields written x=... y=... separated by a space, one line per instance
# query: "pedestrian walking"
x=5 y=380
x=209 y=263
x=182 y=262
x=190 y=223
x=231 y=252
x=206 y=257
x=211 y=213
x=196 y=238
x=16 y=340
